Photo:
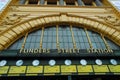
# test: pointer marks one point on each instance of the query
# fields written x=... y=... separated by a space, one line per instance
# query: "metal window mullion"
x=41 y=38
x=25 y=38
x=73 y=39
x=88 y=37
x=106 y=44
x=57 y=38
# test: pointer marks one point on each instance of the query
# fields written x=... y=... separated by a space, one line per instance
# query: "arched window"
x=64 y=36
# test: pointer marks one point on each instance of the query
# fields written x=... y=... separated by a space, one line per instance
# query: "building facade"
x=56 y=39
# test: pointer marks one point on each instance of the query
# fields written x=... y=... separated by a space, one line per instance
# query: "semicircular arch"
x=10 y=35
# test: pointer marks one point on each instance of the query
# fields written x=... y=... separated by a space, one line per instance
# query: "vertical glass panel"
x=61 y=45
x=54 y=39
x=49 y=39
x=49 y=45
x=33 y=38
x=13 y=46
x=37 y=45
x=22 y=1
x=94 y=45
x=19 y=45
x=45 y=39
x=70 y=44
x=28 y=38
x=87 y=45
x=77 y=45
x=44 y=45
x=112 y=45
x=32 y=45
x=27 y=45
x=82 y=46
x=38 y=39
x=53 y=45
x=96 y=40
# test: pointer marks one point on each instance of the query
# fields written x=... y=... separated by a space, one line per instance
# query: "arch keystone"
x=63 y=17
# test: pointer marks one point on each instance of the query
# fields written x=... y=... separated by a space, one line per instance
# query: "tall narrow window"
x=98 y=2
x=70 y=2
x=51 y=2
x=22 y=1
x=80 y=3
x=87 y=2
x=61 y=2
x=42 y=2
x=33 y=1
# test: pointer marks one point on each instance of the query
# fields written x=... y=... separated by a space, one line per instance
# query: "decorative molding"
x=110 y=20
x=13 y=19
x=14 y=8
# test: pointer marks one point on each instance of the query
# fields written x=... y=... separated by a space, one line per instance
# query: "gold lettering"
x=101 y=51
x=78 y=50
x=98 y=50
x=31 y=50
x=44 y=50
x=105 y=51
x=62 y=50
x=40 y=51
x=59 y=50
x=110 y=51
x=36 y=50
x=95 y=51
x=25 y=50
x=73 y=50
x=89 y=50
x=48 y=50
x=66 y=51
x=70 y=50
x=21 y=50
x=92 y=51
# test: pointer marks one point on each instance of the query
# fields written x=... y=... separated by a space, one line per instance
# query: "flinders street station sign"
x=60 y=53
x=64 y=51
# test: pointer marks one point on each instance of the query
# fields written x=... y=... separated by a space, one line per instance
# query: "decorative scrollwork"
x=13 y=19
x=110 y=20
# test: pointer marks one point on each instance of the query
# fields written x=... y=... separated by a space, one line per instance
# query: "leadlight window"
x=68 y=37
